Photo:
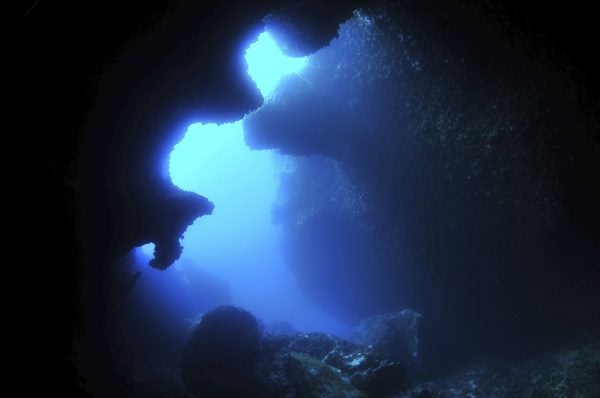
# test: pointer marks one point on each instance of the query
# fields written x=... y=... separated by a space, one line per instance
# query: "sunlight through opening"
x=267 y=64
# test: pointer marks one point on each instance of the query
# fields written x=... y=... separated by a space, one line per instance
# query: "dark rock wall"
x=467 y=148
x=112 y=87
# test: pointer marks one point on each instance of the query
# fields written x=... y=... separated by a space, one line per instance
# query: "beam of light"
x=238 y=243
x=211 y=159
x=267 y=64
x=147 y=249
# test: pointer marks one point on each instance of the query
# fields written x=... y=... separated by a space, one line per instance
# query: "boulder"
x=220 y=354
x=382 y=381
x=395 y=336
x=302 y=364
x=314 y=378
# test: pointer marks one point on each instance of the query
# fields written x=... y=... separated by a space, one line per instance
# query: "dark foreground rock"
x=313 y=364
x=220 y=354
x=297 y=375
x=393 y=335
x=382 y=381
x=158 y=382
x=226 y=357
x=561 y=374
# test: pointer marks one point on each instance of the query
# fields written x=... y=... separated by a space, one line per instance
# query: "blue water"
x=238 y=244
x=267 y=64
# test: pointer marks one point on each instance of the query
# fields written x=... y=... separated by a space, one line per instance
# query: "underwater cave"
x=303 y=199
x=241 y=248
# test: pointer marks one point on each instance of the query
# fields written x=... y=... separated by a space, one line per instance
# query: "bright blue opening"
x=148 y=249
x=267 y=64
x=238 y=243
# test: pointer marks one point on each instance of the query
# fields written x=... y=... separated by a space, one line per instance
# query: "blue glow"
x=267 y=64
x=208 y=155
x=148 y=249
x=238 y=244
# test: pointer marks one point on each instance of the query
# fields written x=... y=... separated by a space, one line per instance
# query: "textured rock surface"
x=316 y=365
x=296 y=374
x=223 y=358
x=382 y=381
x=394 y=335
x=565 y=373
x=459 y=181
x=311 y=364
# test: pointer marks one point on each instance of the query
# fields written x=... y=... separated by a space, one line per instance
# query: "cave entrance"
x=238 y=246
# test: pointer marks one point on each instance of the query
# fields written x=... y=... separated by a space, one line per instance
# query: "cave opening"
x=234 y=256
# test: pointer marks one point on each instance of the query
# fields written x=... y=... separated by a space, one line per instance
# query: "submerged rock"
x=563 y=373
x=297 y=375
x=350 y=358
x=226 y=357
x=447 y=169
x=278 y=328
x=220 y=354
x=153 y=381
x=322 y=365
x=382 y=381
x=317 y=345
x=394 y=335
